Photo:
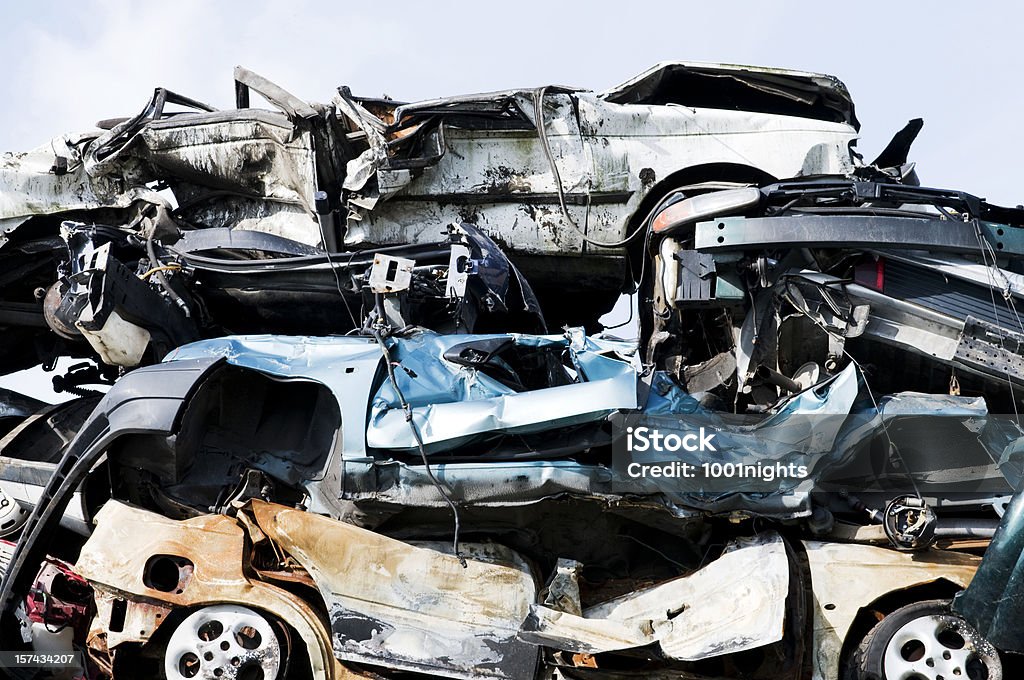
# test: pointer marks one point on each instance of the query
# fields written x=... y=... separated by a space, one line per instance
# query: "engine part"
x=909 y=523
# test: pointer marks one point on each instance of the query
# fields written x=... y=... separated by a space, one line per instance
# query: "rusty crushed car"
x=347 y=405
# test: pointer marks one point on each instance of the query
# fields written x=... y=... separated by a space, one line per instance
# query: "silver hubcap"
x=940 y=647
x=223 y=642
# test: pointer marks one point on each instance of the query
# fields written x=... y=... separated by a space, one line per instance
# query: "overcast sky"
x=69 y=64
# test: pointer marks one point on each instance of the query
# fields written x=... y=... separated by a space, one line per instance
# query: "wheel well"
x=237 y=419
x=148 y=655
x=695 y=174
x=637 y=277
x=871 y=615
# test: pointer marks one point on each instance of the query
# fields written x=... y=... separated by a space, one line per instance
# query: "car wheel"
x=223 y=642
x=924 y=641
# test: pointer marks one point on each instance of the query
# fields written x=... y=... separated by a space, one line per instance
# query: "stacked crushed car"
x=362 y=417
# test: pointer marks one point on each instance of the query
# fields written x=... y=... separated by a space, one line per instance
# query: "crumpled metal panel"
x=415 y=608
x=450 y=403
x=254 y=153
x=115 y=559
x=258 y=153
x=736 y=603
x=28 y=187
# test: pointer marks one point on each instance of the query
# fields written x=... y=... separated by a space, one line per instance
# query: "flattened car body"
x=546 y=174
x=311 y=492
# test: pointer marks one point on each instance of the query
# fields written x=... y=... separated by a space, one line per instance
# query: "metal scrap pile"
x=363 y=418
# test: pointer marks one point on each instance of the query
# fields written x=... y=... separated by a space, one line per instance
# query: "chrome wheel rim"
x=223 y=642
x=940 y=647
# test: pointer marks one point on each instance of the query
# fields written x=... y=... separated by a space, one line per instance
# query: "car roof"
x=814 y=95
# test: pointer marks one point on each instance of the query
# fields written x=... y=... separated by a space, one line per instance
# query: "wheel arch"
x=696 y=174
x=872 y=613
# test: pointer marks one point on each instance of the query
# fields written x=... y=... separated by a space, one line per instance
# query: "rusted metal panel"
x=139 y=620
x=215 y=545
x=409 y=607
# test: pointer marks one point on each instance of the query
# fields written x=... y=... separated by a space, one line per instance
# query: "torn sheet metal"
x=736 y=603
x=450 y=403
x=454 y=398
x=408 y=607
x=214 y=546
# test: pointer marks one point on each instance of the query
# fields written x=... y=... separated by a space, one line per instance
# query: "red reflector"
x=871 y=274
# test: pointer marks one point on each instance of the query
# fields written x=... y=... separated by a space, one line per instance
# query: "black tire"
x=924 y=641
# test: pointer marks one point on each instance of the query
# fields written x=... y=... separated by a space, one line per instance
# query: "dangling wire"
x=419 y=443
x=871 y=395
x=986 y=249
x=538 y=113
x=337 y=279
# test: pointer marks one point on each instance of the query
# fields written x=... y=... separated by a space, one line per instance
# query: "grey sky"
x=68 y=64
